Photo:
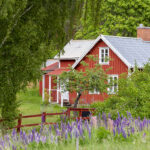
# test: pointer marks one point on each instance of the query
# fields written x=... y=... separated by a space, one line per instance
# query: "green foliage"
x=114 y=17
x=102 y=134
x=30 y=32
x=88 y=79
x=133 y=95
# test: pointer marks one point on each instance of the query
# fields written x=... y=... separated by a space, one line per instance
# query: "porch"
x=54 y=91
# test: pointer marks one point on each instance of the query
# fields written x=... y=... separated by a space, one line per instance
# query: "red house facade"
x=122 y=51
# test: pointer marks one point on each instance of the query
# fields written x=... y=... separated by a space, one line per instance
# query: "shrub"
x=102 y=133
x=133 y=95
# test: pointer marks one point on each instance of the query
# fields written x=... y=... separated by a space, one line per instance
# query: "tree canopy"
x=87 y=80
x=114 y=17
x=30 y=31
x=133 y=95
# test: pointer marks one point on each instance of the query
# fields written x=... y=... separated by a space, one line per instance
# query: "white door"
x=64 y=94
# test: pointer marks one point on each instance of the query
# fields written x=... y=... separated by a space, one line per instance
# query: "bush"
x=133 y=95
x=102 y=133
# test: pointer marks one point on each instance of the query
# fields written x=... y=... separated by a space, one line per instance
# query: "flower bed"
x=80 y=132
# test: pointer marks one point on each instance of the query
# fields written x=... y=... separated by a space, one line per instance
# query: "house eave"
x=101 y=37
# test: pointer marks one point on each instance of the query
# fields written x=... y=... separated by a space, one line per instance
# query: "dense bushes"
x=133 y=95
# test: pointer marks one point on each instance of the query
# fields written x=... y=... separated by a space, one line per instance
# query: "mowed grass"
x=30 y=104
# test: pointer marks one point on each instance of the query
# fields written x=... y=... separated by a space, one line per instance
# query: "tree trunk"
x=77 y=100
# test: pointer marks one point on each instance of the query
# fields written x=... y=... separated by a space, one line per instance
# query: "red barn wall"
x=66 y=63
x=54 y=88
x=40 y=87
x=116 y=64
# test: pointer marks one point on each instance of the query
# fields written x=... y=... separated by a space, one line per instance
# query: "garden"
x=32 y=32
x=102 y=132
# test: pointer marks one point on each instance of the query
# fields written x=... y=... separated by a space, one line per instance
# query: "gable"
x=117 y=65
x=108 y=44
x=134 y=50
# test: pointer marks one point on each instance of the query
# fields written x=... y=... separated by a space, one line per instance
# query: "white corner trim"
x=43 y=88
x=50 y=89
x=109 y=45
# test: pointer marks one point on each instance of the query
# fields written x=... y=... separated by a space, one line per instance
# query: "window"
x=104 y=55
x=113 y=82
x=94 y=92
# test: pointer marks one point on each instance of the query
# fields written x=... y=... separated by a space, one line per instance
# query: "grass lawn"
x=31 y=104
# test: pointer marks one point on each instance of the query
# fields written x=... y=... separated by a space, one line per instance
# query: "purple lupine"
x=50 y=128
x=104 y=118
x=89 y=131
x=76 y=133
x=32 y=137
x=66 y=135
x=128 y=133
x=123 y=133
x=25 y=138
x=144 y=135
x=144 y=122
x=56 y=140
x=99 y=120
x=132 y=130
x=141 y=126
x=14 y=147
x=109 y=116
x=57 y=125
x=118 y=130
x=21 y=133
x=43 y=118
x=147 y=123
x=43 y=139
x=2 y=143
x=114 y=132
x=14 y=133
x=57 y=132
x=37 y=138
x=52 y=138
x=41 y=129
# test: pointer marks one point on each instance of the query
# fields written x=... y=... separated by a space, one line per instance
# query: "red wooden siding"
x=66 y=63
x=116 y=64
x=54 y=88
x=40 y=87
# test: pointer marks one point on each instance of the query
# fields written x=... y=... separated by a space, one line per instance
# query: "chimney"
x=143 y=32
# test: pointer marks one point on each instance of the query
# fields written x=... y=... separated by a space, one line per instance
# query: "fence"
x=67 y=113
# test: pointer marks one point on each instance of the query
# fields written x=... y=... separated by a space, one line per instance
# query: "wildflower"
x=43 y=139
x=114 y=132
x=132 y=130
x=144 y=135
x=66 y=135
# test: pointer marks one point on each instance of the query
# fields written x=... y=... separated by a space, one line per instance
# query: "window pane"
x=115 y=83
x=102 y=57
x=106 y=51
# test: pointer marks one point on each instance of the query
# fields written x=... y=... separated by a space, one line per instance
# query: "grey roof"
x=74 y=49
x=132 y=49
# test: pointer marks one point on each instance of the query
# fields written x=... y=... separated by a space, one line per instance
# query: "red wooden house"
x=123 y=51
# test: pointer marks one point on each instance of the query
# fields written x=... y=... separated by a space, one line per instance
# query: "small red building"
x=123 y=51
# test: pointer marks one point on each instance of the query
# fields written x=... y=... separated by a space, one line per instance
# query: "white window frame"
x=94 y=92
x=113 y=91
x=100 y=55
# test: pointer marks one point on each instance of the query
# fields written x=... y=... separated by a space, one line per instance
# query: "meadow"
x=31 y=104
x=100 y=133
x=125 y=133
